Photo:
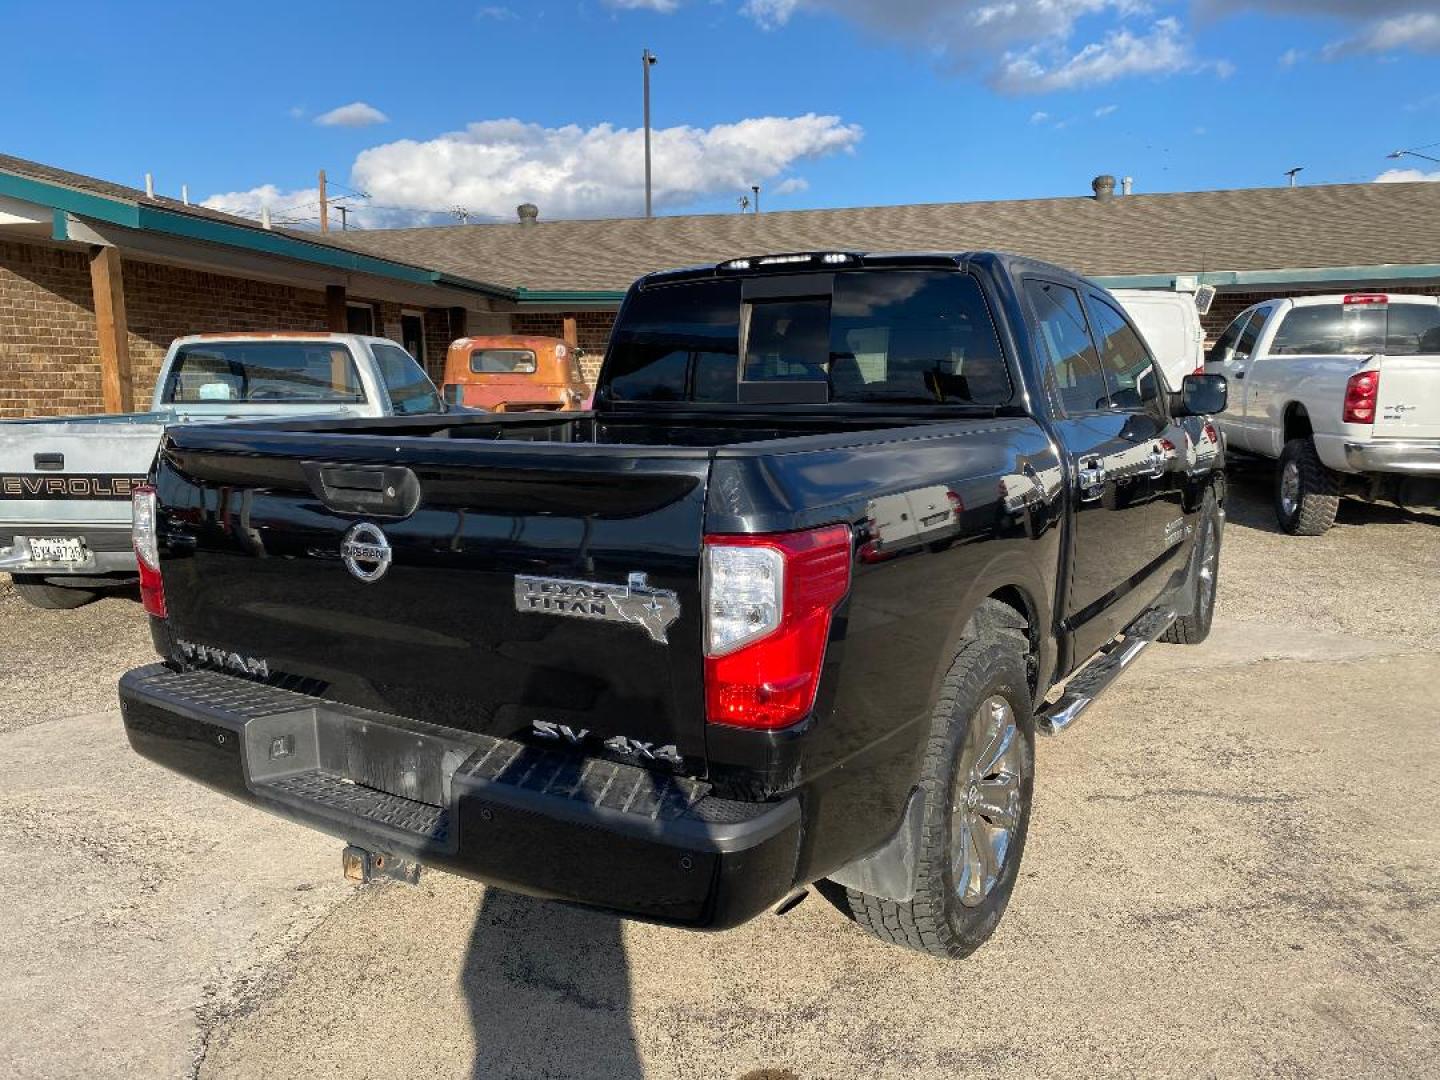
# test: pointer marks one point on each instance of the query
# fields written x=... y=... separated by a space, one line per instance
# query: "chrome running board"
x=1082 y=688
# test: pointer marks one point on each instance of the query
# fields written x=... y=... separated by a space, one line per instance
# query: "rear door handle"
x=1239 y=373
x=1092 y=478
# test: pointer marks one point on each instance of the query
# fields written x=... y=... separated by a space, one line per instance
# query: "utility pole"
x=344 y=212
x=756 y=189
x=647 y=61
x=324 y=205
x=1293 y=173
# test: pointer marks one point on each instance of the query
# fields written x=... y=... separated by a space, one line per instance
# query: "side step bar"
x=1100 y=670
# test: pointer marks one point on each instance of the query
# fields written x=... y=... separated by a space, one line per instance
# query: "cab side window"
x=1245 y=347
x=1074 y=369
x=1225 y=344
x=1129 y=371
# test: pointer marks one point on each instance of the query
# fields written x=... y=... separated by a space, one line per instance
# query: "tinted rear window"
x=275 y=372
x=901 y=336
x=1393 y=329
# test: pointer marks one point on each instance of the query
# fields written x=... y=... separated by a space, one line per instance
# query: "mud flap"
x=889 y=871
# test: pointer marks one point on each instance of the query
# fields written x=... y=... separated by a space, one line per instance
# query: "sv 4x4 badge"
x=636 y=602
x=620 y=744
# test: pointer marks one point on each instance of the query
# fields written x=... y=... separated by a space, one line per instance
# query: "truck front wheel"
x=37 y=592
x=1307 y=494
x=976 y=782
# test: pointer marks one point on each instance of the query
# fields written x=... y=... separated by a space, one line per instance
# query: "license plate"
x=62 y=550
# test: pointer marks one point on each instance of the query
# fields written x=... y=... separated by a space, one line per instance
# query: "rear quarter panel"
x=916 y=584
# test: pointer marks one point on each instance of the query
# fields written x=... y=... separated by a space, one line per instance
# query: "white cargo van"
x=1169 y=320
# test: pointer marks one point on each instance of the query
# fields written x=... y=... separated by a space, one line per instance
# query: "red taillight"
x=144 y=534
x=1361 y=390
x=768 y=604
x=1354 y=299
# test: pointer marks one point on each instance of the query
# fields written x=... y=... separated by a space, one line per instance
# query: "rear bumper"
x=536 y=821
x=109 y=547
x=1421 y=458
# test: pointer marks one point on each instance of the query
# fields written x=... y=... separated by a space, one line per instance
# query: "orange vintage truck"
x=514 y=373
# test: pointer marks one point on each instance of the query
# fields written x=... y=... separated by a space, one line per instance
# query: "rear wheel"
x=38 y=592
x=1194 y=628
x=976 y=782
x=1307 y=494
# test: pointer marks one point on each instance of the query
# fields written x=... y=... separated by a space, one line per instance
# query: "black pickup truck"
x=786 y=608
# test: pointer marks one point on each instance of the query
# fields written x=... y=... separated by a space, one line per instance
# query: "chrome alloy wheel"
x=986 y=809
x=1209 y=565
x=1290 y=488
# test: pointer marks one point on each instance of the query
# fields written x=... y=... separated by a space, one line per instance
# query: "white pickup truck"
x=1344 y=392
x=65 y=483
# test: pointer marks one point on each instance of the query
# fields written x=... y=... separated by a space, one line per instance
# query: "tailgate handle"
x=383 y=490
x=49 y=462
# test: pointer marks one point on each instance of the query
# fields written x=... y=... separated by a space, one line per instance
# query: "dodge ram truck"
x=65 y=483
x=786 y=608
x=1342 y=392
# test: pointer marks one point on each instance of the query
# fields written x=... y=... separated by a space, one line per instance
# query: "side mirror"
x=1201 y=395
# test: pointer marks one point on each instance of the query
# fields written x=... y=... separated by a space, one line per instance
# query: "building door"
x=412 y=335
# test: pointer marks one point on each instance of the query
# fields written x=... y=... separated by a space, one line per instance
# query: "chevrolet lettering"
x=881 y=518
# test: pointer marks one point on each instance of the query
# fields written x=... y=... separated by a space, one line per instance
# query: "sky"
x=428 y=112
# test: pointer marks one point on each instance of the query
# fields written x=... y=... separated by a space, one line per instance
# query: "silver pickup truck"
x=65 y=483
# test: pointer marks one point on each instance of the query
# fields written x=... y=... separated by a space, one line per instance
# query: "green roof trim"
x=569 y=296
x=1283 y=276
x=61 y=198
x=64 y=200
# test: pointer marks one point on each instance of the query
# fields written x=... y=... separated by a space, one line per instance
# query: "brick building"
x=97 y=278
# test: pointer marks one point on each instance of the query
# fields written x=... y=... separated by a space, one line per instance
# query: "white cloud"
x=356 y=114
x=570 y=171
x=1415 y=31
x=792 y=185
x=1043 y=69
x=664 y=7
x=496 y=12
x=1039 y=117
x=770 y=13
x=1290 y=57
x=1105 y=110
x=1406 y=176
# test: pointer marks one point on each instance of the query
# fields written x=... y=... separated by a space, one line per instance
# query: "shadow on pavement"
x=548 y=991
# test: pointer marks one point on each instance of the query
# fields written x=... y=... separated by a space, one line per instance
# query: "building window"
x=412 y=334
x=360 y=318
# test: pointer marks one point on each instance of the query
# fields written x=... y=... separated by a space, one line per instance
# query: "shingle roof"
x=1247 y=229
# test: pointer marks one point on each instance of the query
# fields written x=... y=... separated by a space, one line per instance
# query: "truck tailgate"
x=1408 y=406
x=73 y=471
x=527 y=594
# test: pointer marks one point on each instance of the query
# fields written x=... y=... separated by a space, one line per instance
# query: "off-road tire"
x=935 y=921
x=1318 y=498
x=1194 y=628
x=37 y=592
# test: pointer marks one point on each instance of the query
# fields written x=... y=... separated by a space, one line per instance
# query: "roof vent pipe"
x=1127 y=184
x=1104 y=187
x=529 y=213
x=149 y=186
x=185 y=194
x=265 y=217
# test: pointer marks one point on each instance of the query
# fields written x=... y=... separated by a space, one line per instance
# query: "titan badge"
x=193 y=652
x=635 y=602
